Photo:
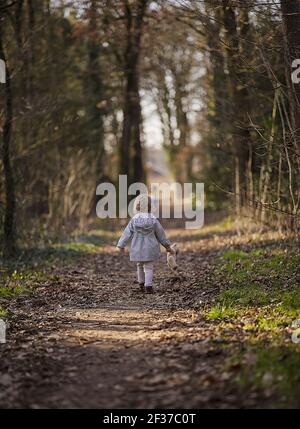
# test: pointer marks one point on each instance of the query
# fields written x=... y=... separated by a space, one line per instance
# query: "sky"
x=152 y=125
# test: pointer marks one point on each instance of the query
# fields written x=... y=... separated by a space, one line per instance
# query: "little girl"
x=146 y=234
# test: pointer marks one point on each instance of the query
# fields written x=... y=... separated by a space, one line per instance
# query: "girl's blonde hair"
x=143 y=203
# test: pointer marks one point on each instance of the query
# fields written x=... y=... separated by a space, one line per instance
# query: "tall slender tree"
x=95 y=88
x=238 y=107
x=130 y=154
x=9 y=245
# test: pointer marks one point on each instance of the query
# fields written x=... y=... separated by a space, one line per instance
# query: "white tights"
x=145 y=272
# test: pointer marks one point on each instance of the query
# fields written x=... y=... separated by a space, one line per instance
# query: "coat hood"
x=144 y=223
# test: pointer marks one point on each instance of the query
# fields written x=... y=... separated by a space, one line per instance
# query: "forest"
x=183 y=91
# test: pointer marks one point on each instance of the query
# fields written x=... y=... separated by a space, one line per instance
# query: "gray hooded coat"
x=146 y=234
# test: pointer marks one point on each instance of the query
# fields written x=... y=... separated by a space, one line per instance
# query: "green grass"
x=260 y=284
x=10 y=292
x=273 y=369
x=17 y=282
x=2 y=312
x=54 y=254
x=222 y=226
x=277 y=265
x=33 y=266
x=220 y=312
x=260 y=294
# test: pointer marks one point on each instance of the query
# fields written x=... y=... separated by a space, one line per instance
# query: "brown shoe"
x=149 y=289
x=142 y=287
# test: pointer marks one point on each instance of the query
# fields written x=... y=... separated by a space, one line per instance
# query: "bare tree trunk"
x=216 y=56
x=291 y=28
x=182 y=153
x=130 y=144
x=267 y=167
x=165 y=113
x=95 y=89
x=9 y=246
x=165 y=96
x=240 y=135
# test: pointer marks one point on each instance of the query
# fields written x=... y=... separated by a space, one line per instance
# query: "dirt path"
x=89 y=338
